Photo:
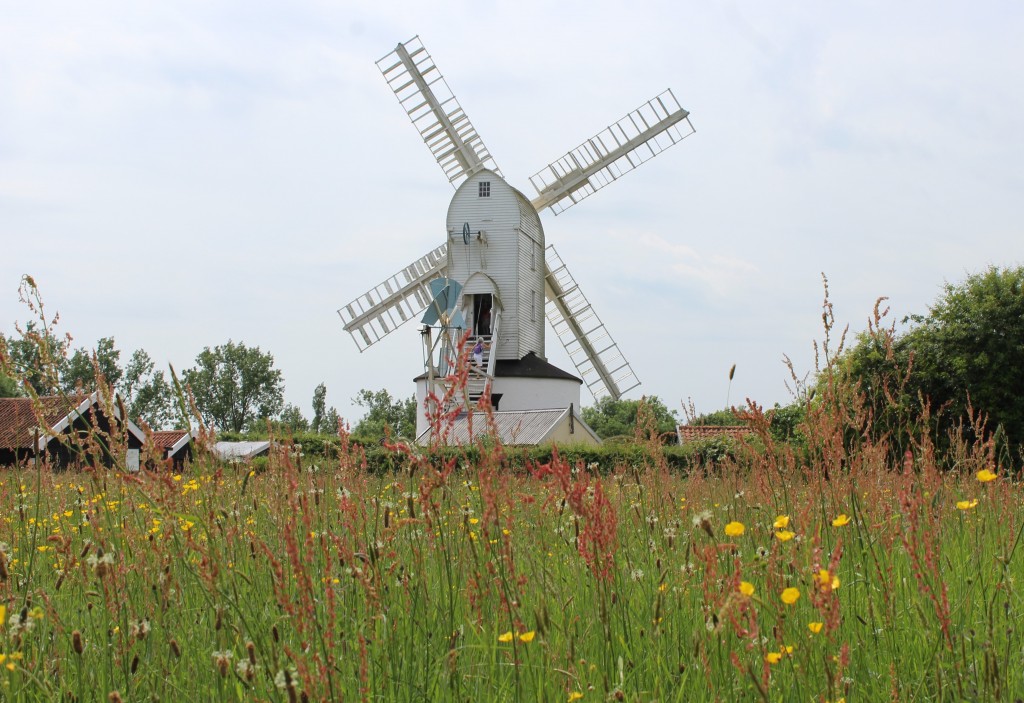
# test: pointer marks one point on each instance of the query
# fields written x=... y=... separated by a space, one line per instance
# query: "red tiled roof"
x=692 y=433
x=165 y=439
x=18 y=420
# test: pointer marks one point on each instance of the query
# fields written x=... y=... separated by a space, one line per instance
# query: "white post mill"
x=495 y=276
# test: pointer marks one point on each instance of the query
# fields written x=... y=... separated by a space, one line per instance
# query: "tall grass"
x=472 y=583
x=835 y=570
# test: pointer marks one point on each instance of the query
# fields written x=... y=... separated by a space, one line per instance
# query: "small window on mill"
x=485 y=189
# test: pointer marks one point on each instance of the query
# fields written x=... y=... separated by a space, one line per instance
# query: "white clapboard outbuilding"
x=495 y=280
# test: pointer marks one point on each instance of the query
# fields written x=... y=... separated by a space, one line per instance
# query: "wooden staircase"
x=480 y=376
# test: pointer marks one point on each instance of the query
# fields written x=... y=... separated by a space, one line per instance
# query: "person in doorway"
x=478 y=351
x=484 y=323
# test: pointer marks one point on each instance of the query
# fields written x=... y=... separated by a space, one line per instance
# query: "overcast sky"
x=176 y=175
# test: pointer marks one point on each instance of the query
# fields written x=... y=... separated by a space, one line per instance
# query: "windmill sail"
x=591 y=348
x=442 y=123
x=639 y=136
x=401 y=298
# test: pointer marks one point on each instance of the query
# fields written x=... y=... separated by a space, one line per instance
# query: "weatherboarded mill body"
x=500 y=264
x=489 y=288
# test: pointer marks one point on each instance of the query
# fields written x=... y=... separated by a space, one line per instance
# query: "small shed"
x=520 y=427
x=30 y=428
x=242 y=451
x=175 y=446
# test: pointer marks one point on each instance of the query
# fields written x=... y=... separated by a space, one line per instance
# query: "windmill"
x=496 y=251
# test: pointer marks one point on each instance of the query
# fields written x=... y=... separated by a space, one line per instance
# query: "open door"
x=482 y=305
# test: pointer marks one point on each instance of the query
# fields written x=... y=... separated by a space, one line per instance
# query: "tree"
x=384 y=411
x=292 y=420
x=147 y=392
x=8 y=387
x=968 y=351
x=234 y=386
x=79 y=370
x=325 y=421
x=319 y=407
x=726 y=416
x=329 y=425
x=614 y=418
x=38 y=357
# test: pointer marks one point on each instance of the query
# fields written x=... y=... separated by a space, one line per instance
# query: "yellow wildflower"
x=966 y=504
x=781 y=522
x=505 y=637
x=985 y=476
x=815 y=627
x=841 y=520
x=746 y=588
x=790 y=596
x=575 y=696
x=773 y=657
x=734 y=529
x=527 y=636
x=785 y=535
x=827 y=581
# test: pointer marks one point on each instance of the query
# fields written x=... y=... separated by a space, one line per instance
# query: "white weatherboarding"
x=489 y=277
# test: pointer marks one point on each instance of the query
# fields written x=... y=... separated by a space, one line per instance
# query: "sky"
x=177 y=175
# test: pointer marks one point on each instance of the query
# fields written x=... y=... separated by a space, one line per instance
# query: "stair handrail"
x=491 y=352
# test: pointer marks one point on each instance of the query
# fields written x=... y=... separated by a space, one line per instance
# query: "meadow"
x=839 y=570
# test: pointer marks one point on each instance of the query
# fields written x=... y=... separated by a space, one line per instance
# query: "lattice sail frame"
x=611 y=153
x=588 y=342
x=431 y=106
x=400 y=298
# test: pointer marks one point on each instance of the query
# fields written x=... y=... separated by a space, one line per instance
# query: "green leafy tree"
x=320 y=410
x=787 y=422
x=384 y=411
x=8 y=387
x=726 y=416
x=79 y=370
x=37 y=355
x=235 y=386
x=329 y=425
x=292 y=420
x=969 y=348
x=614 y=418
x=146 y=392
x=967 y=352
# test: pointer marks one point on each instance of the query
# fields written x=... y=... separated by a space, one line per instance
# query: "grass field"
x=823 y=574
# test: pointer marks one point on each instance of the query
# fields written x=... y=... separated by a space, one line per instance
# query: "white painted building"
x=496 y=252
